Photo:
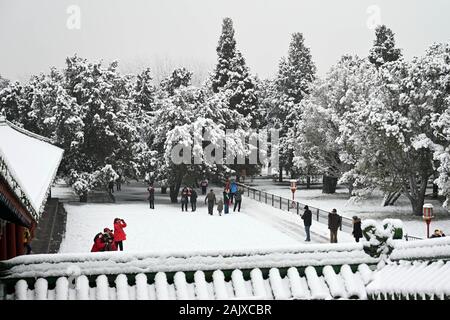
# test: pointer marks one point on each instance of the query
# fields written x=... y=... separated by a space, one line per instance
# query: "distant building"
x=28 y=166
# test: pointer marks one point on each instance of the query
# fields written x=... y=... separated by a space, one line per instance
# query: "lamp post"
x=293 y=189
x=427 y=216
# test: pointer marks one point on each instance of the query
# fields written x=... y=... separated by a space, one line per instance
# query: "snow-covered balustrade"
x=411 y=280
x=429 y=249
x=277 y=285
x=63 y=265
x=260 y=274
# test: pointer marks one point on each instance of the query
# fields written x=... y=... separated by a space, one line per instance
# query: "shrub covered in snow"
x=379 y=236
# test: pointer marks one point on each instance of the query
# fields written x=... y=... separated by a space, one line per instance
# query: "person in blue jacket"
x=233 y=190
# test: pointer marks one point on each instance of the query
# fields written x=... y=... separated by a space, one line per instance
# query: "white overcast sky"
x=140 y=33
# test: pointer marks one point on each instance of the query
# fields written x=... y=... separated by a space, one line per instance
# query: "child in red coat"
x=109 y=239
x=119 y=234
x=99 y=244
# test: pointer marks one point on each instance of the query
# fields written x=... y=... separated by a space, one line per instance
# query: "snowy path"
x=289 y=223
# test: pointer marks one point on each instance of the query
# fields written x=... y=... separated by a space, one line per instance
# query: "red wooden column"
x=3 y=247
x=19 y=240
x=11 y=240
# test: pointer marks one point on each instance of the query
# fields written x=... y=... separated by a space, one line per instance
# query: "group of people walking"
x=110 y=240
x=188 y=195
x=334 y=224
x=231 y=195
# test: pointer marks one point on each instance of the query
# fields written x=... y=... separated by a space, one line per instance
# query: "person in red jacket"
x=119 y=234
x=99 y=244
x=109 y=239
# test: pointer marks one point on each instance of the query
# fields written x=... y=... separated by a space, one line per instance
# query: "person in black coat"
x=307 y=221
x=185 y=194
x=151 y=196
x=237 y=201
x=193 y=199
x=334 y=223
x=357 y=231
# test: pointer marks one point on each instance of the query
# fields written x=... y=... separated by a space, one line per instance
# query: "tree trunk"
x=417 y=206
x=308 y=182
x=391 y=198
x=174 y=190
x=280 y=174
x=395 y=198
x=329 y=184
x=163 y=190
x=416 y=195
x=435 y=190
x=83 y=198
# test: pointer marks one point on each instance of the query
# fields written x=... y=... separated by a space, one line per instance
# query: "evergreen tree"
x=242 y=90
x=296 y=73
x=144 y=91
x=226 y=51
x=384 y=50
x=3 y=82
x=232 y=75
x=14 y=105
x=180 y=77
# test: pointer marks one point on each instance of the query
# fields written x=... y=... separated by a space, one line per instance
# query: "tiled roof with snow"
x=411 y=280
x=293 y=285
x=317 y=271
x=28 y=163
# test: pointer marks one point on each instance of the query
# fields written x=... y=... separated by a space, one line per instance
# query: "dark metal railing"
x=292 y=206
x=411 y=238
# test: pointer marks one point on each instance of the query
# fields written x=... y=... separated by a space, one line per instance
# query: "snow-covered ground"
x=167 y=228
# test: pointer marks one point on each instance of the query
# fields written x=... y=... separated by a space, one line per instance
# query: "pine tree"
x=226 y=51
x=180 y=77
x=243 y=97
x=3 y=82
x=144 y=91
x=296 y=73
x=384 y=50
x=232 y=75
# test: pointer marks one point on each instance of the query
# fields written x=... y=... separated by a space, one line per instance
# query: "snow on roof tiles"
x=31 y=161
x=410 y=280
x=57 y=265
x=142 y=287
x=438 y=248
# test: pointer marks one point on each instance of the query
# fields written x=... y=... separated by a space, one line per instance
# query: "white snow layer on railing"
x=437 y=248
x=290 y=286
x=59 y=265
x=411 y=279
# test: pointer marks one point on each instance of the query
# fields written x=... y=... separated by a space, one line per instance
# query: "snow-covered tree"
x=3 y=82
x=144 y=91
x=110 y=136
x=295 y=74
x=180 y=77
x=178 y=119
x=384 y=49
x=319 y=135
x=226 y=51
x=232 y=75
x=14 y=105
x=395 y=133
